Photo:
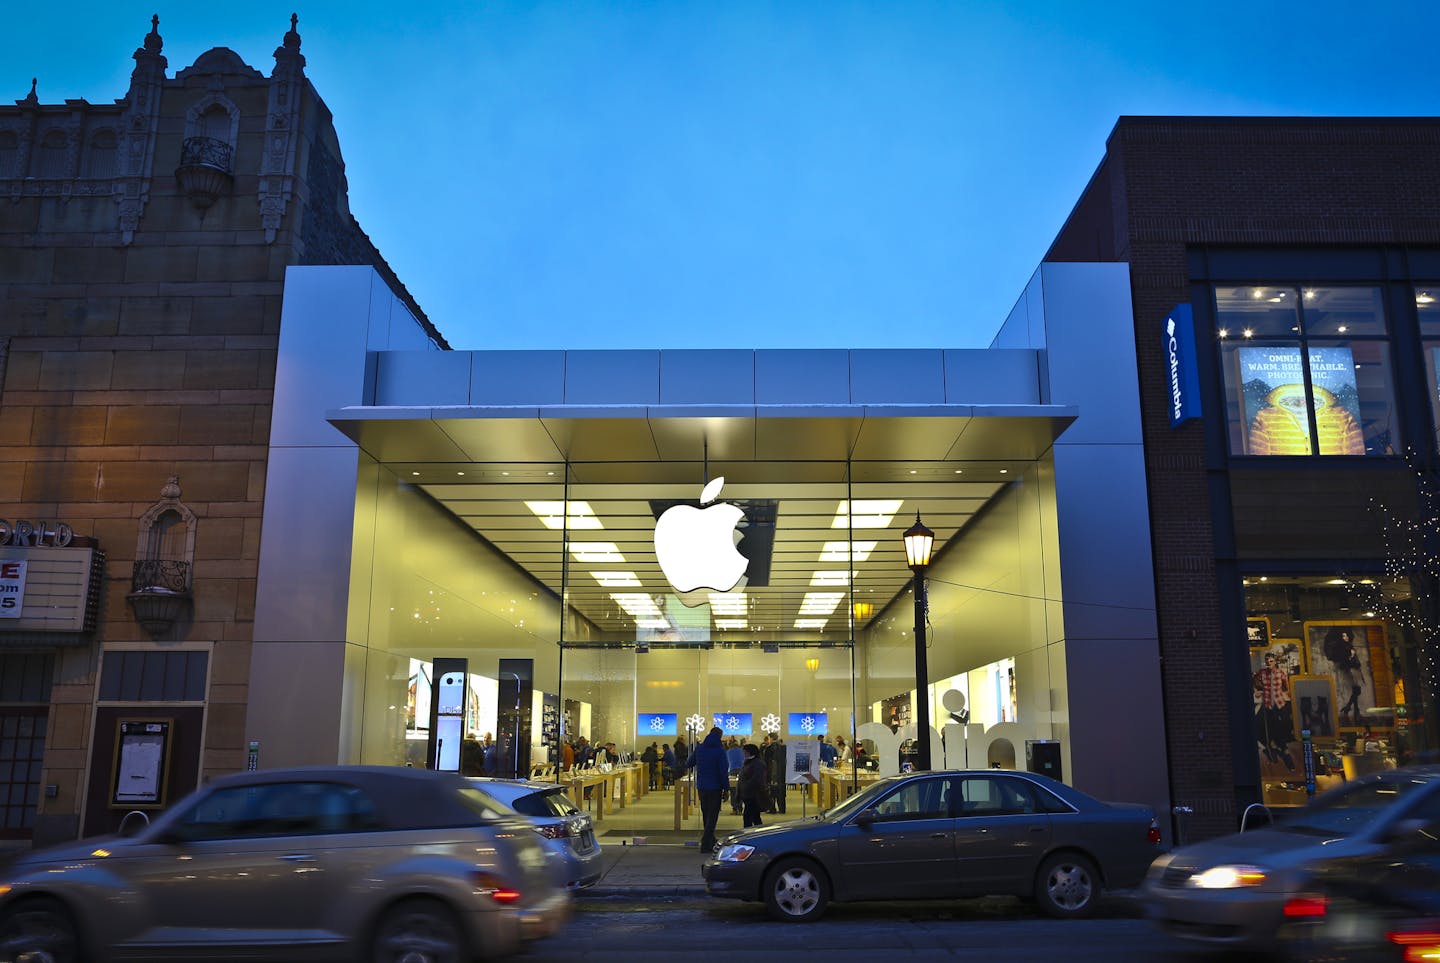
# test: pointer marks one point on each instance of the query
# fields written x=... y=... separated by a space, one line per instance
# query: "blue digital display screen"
x=735 y=723
x=809 y=723
x=655 y=724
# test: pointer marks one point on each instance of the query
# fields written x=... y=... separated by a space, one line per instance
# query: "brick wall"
x=1165 y=186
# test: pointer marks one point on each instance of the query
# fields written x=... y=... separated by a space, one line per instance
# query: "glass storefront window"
x=1306 y=371
x=1332 y=669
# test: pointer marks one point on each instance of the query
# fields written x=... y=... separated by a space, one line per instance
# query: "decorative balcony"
x=206 y=169
x=159 y=593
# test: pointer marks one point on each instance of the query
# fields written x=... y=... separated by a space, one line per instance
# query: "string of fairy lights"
x=1411 y=541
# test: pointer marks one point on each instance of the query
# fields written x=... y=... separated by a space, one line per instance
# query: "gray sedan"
x=936 y=835
x=1240 y=889
x=384 y=864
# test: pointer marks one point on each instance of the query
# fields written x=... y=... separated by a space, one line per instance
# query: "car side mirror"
x=866 y=816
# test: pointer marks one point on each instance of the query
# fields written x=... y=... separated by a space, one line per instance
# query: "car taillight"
x=1420 y=945
x=557 y=831
x=1304 y=907
x=1153 y=834
x=486 y=884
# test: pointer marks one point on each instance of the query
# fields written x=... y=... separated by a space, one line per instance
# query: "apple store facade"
x=498 y=514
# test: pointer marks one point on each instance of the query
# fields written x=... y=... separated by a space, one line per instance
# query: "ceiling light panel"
x=820 y=603
x=594 y=552
x=867 y=513
x=557 y=515
x=617 y=579
x=843 y=552
x=831 y=578
x=810 y=623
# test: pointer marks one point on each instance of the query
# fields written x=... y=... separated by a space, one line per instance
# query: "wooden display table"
x=837 y=785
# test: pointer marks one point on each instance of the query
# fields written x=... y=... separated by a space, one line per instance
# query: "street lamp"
x=919 y=540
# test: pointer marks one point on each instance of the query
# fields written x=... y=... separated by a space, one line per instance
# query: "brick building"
x=1242 y=218
x=143 y=249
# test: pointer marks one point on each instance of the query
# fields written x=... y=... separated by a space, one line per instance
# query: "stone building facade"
x=143 y=250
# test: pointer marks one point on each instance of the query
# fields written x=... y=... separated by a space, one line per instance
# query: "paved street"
x=995 y=929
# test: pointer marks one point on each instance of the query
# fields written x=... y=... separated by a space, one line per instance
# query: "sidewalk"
x=656 y=870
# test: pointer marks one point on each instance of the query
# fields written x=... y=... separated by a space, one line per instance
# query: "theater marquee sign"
x=47 y=584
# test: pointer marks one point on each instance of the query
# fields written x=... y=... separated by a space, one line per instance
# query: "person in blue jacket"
x=712 y=780
x=667 y=765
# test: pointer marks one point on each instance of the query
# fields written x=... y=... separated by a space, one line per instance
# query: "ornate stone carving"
x=137 y=150
x=277 y=165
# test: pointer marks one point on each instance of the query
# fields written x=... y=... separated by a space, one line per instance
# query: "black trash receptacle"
x=1043 y=756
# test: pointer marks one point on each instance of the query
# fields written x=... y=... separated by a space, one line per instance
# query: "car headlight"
x=737 y=853
x=1228 y=877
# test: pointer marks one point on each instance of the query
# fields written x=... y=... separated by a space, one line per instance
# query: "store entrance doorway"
x=647 y=699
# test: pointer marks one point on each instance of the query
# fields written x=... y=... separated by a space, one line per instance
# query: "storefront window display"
x=561 y=566
x=1307 y=371
x=1330 y=672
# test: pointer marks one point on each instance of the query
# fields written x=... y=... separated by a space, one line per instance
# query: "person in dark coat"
x=669 y=765
x=774 y=756
x=750 y=785
x=651 y=758
x=682 y=753
x=735 y=754
x=712 y=779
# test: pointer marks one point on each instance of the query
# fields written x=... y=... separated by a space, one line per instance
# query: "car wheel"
x=419 y=931
x=39 y=931
x=1067 y=886
x=796 y=891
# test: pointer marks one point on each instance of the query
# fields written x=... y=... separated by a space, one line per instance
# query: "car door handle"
x=298 y=858
x=1037 y=829
x=937 y=835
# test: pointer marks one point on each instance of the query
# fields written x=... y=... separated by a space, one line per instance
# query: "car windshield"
x=863 y=799
x=545 y=804
x=1351 y=808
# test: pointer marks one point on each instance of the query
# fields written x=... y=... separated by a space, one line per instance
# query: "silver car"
x=1241 y=889
x=566 y=832
x=375 y=863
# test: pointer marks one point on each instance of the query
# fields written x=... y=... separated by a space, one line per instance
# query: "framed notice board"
x=141 y=770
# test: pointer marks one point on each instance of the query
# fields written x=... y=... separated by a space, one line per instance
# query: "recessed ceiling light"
x=959 y=472
x=1004 y=471
x=505 y=473
x=1424 y=297
x=810 y=623
x=913 y=472
x=415 y=473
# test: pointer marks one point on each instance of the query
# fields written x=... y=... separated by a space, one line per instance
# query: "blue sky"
x=740 y=174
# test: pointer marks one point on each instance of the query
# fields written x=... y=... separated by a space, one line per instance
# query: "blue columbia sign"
x=1180 y=375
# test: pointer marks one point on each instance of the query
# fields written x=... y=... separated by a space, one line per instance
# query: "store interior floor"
x=652 y=817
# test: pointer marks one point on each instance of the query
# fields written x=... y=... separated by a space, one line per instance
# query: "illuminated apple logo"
x=696 y=546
